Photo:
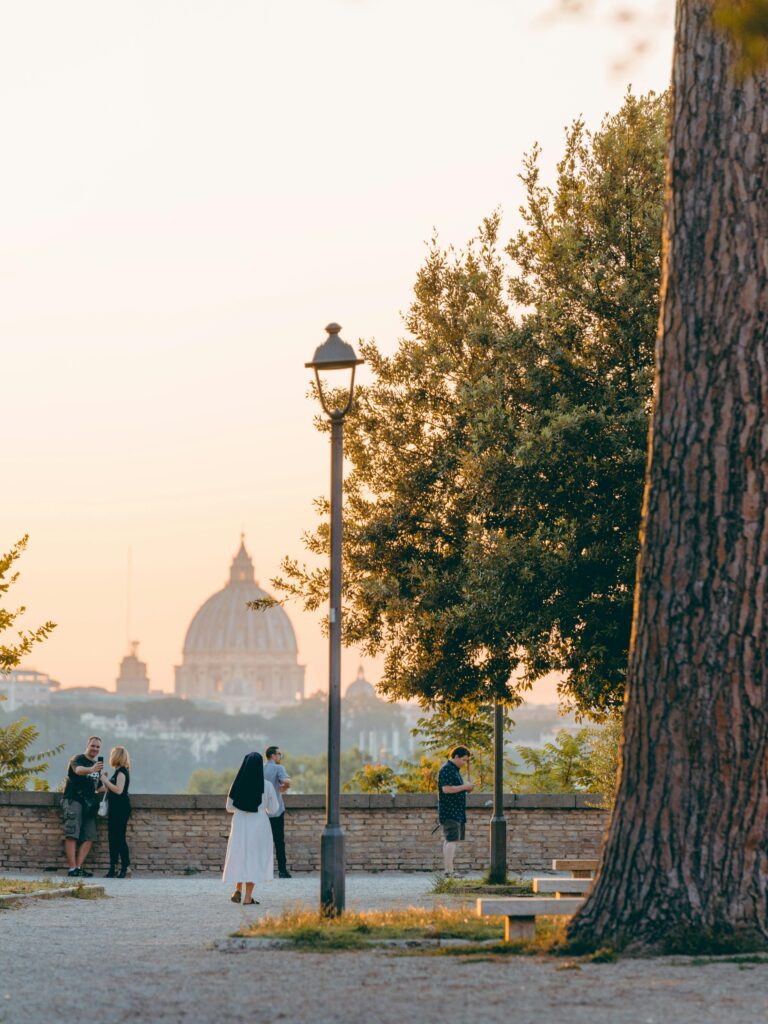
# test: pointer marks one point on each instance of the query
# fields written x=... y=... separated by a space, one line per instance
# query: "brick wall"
x=178 y=834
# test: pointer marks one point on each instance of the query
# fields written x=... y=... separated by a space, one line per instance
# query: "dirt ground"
x=146 y=953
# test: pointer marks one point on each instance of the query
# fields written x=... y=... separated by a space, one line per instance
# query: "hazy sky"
x=189 y=192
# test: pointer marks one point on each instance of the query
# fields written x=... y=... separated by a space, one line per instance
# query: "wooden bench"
x=520 y=912
x=562 y=886
x=578 y=868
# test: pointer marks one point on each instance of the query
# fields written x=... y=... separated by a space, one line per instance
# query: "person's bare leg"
x=248 y=898
x=82 y=853
x=449 y=852
x=70 y=850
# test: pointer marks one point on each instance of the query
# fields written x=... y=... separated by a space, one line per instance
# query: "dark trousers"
x=117 y=823
x=278 y=837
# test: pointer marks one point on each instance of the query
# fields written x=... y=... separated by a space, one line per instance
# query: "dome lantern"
x=242 y=570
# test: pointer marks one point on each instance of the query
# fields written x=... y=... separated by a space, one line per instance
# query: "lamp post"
x=498 y=871
x=334 y=354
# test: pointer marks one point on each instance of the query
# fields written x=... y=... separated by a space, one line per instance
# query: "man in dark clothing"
x=278 y=776
x=77 y=806
x=452 y=803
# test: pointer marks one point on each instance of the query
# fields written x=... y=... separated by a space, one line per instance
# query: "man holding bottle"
x=79 y=806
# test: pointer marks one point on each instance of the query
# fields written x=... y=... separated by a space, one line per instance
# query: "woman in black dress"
x=119 y=811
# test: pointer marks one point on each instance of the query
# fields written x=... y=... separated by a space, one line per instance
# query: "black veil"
x=247 y=791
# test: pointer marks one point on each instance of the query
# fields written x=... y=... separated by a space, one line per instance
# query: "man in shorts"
x=79 y=817
x=452 y=804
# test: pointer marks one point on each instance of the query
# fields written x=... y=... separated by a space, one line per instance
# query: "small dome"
x=225 y=623
x=360 y=687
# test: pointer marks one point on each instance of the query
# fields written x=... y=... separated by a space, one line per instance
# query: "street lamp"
x=334 y=354
x=498 y=872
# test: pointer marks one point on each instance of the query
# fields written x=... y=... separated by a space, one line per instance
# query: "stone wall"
x=186 y=834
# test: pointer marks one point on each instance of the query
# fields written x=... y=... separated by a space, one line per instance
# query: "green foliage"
x=418 y=777
x=372 y=778
x=464 y=724
x=747 y=23
x=407 y=509
x=447 y=727
x=558 y=767
x=604 y=755
x=564 y=481
x=585 y=761
x=15 y=886
x=310 y=930
x=497 y=461
x=307 y=774
x=17 y=766
x=11 y=653
x=443 y=886
x=207 y=781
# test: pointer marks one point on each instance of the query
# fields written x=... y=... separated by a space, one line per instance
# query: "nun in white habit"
x=249 y=849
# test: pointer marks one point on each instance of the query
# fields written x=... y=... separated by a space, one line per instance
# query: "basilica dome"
x=234 y=655
x=225 y=623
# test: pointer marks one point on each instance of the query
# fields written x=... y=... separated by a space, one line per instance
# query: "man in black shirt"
x=452 y=803
x=77 y=806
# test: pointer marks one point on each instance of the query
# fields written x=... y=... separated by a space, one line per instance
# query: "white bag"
x=103 y=807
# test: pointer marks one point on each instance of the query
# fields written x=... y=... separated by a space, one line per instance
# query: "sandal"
x=250 y=902
x=236 y=896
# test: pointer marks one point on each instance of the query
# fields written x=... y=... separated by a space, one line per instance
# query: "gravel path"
x=156 y=935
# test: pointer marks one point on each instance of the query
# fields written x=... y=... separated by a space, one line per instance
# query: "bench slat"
x=578 y=868
x=520 y=912
x=569 y=886
x=527 y=906
x=571 y=864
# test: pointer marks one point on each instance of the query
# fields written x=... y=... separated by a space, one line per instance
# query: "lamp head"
x=334 y=354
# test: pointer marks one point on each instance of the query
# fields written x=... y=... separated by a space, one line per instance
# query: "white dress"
x=249 y=848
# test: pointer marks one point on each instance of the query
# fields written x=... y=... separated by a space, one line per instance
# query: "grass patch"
x=19 y=887
x=483 y=936
x=548 y=941
x=443 y=886
x=604 y=955
x=306 y=929
x=87 y=892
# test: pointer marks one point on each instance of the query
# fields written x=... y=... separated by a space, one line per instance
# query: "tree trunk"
x=685 y=865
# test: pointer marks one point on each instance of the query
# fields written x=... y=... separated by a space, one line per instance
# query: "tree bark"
x=685 y=863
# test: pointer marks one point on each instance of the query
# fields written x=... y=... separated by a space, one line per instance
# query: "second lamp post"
x=334 y=354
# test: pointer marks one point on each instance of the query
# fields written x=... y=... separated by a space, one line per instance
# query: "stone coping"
x=10 y=898
x=316 y=801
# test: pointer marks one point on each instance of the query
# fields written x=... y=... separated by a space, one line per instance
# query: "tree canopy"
x=12 y=651
x=497 y=457
x=17 y=766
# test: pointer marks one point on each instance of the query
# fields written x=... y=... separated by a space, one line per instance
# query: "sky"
x=190 y=190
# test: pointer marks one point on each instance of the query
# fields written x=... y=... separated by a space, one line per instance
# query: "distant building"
x=245 y=660
x=360 y=687
x=133 y=680
x=26 y=688
x=388 y=740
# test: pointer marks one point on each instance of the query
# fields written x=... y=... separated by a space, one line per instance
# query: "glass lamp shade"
x=334 y=354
